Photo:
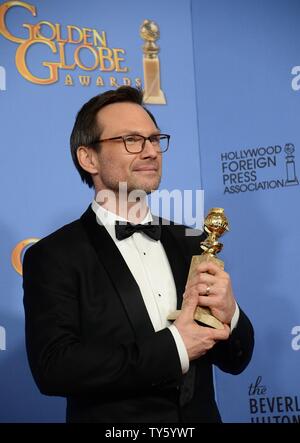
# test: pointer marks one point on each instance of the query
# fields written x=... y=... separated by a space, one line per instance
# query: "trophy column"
x=215 y=225
x=153 y=94
x=291 y=178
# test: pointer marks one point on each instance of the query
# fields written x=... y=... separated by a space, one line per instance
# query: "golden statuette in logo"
x=149 y=31
x=215 y=224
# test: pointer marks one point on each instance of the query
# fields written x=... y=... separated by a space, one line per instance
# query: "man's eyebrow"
x=136 y=132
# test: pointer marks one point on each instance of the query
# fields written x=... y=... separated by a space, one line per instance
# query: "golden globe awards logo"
x=65 y=48
x=272 y=409
x=259 y=169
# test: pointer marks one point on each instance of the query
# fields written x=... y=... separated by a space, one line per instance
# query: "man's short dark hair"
x=86 y=130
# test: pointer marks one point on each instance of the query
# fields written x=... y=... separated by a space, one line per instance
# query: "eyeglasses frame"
x=122 y=137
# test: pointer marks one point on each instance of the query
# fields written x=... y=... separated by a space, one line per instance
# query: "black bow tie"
x=125 y=230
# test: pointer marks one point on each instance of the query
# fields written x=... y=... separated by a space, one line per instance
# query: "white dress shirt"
x=148 y=262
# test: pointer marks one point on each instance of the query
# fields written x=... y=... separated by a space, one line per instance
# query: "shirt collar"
x=108 y=219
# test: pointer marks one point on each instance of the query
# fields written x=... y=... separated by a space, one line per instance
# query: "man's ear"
x=88 y=160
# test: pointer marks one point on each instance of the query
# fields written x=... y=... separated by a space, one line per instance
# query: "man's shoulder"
x=64 y=234
x=65 y=238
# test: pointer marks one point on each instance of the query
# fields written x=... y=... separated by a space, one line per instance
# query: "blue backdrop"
x=229 y=71
x=248 y=114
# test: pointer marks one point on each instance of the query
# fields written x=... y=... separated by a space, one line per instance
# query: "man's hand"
x=197 y=339
x=219 y=299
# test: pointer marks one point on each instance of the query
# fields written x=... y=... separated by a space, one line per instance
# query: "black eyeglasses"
x=135 y=143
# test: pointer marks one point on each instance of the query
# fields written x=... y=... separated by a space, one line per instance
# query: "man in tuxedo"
x=98 y=291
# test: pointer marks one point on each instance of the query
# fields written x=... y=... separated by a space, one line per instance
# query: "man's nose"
x=149 y=150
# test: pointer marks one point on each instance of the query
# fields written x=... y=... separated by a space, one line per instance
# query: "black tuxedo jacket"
x=89 y=337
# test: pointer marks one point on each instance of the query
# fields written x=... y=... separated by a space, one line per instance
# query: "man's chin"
x=147 y=187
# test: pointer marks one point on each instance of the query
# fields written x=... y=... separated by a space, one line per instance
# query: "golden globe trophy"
x=149 y=31
x=215 y=224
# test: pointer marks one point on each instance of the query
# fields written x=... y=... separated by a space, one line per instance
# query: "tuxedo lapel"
x=120 y=275
x=178 y=261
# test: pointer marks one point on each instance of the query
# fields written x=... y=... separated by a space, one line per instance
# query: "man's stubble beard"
x=132 y=185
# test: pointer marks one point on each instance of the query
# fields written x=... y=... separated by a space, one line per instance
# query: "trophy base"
x=203 y=316
x=198 y=259
x=294 y=182
x=158 y=99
